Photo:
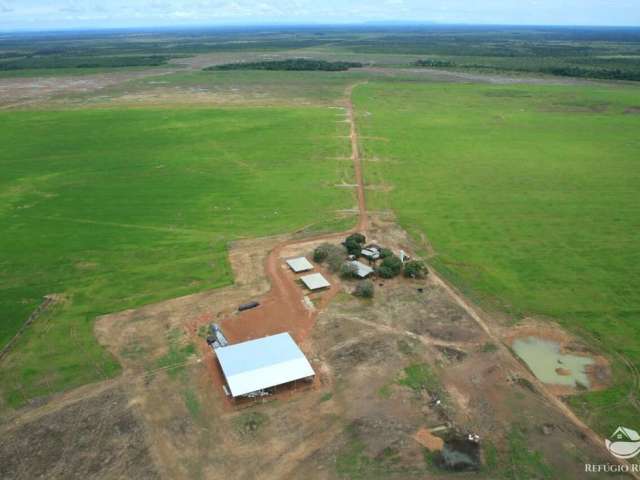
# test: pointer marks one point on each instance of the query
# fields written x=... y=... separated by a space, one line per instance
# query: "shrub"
x=348 y=270
x=390 y=267
x=327 y=252
x=335 y=261
x=321 y=252
x=384 y=272
x=365 y=289
x=385 y=252
x=357 y=237
x=415 y=269
x=354 y=243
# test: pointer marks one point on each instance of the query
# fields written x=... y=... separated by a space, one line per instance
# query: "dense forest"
x=60 y=61
x=294 y=64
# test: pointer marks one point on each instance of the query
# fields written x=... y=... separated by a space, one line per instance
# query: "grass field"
x=529 y=196
x=117 y=208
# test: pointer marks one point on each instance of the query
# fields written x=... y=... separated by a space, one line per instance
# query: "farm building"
x=370 y=253
x=300 y=264
x=253 y=366
x=363 y=270
x=315 y=281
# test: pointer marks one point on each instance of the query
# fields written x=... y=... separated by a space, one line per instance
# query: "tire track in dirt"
x=282 y=308
x=550 y=397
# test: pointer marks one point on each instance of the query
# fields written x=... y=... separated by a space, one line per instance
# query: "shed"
x=370 y=253
x=363 y=270
x=315 y=281
x=266 y=362
x=300 y=264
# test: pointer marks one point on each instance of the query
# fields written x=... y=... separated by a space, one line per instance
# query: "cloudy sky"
x=15 y=14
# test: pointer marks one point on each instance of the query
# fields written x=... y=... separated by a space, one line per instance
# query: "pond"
x=550 y=365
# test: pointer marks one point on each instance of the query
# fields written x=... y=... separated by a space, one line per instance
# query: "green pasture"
x=529 y=197
x=117 y=208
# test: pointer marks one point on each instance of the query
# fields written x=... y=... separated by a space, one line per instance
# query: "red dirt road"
x=283 y=308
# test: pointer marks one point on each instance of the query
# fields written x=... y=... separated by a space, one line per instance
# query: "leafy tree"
x=329 y=253
x=354 y=243
x=390 y=267
x=321 y=252
x=335 y=260
x=384 y=272
x=357 y=237
x=365 y=289
x=415 y=269
x=385 y=252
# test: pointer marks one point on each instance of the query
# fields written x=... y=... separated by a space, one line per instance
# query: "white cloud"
x=61 y=13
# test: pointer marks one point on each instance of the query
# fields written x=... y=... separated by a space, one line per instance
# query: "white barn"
x=266 y=362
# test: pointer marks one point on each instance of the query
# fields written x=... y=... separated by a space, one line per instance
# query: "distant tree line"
x=434 y=63
x=599 y=73
x=560 y=70
x=292 y=64
x=53 y=61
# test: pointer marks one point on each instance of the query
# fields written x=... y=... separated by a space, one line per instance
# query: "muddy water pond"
x=551 y=366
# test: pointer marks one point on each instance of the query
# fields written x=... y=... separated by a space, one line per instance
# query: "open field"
x=527 y=196
x=381 y=366
x=112 y=209
x=147 y=202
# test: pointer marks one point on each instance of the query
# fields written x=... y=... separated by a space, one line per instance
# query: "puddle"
x=550 y=366
x=459 y=455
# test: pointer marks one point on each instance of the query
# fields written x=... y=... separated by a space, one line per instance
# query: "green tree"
x=354 y=243
x=365 y=289
x=415 y=269
x=390 y=267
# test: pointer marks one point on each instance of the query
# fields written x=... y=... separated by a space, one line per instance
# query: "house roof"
x=371 y=253
x=315 y=281
x=263 y=363
x=363 y=270
x=300 y=264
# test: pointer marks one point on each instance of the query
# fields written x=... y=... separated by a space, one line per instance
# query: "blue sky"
x=16 y=14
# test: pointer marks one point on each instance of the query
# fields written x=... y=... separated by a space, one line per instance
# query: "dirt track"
x=345 y=344
x=283 y=308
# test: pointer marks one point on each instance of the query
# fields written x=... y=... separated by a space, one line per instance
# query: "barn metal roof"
x=315 y=281
x=263 y=363
x=363 y=270
x=300 y=264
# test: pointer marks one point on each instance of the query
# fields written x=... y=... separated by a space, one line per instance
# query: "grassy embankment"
x=529 y=196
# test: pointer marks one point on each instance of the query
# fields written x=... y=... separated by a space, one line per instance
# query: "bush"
x=365 y=289
x=321 y=252
x=415 y=269
x=390 y=267
x=357 y=237
x=384 y=272
x=333 y=255
x=348 y=270
x=335 y=261
x=354 y=243
x=385 y=252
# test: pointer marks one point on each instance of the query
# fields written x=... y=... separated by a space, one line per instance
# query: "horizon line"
x=365 y=23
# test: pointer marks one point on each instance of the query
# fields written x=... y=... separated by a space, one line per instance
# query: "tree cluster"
x=292 y=64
